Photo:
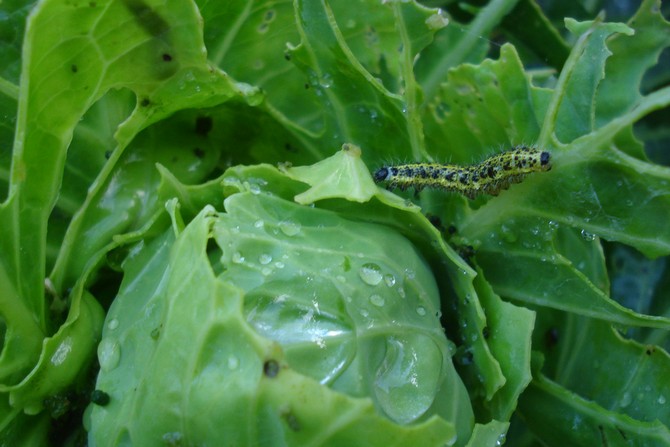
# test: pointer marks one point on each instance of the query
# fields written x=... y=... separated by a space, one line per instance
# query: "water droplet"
x=280 y=265
x=389 y=280
x=266 y=271
x=112 y=324
x=661 y=400
x=588 y=237
x=410 y=274
x=254 y=189
x=507 y=234
x=377 y=300
x=421 y=310
x=238 y=258
x=259 y=223
x=265 y=259
x=365 y=313
x=289 y=228
x=437 y=21
x=401 y=292
x=371 y=274
x=502 y=438
x=626 y=399
x=109 y=354
x=280 y=298
x=173 y=438
x=326 y=81
x=233 y=362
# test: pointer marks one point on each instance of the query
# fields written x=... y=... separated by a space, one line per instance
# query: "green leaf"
x=261 y=396
x=483 y=107
x=356 y=303
x=522 y=250
x=63 y=356
x=581 y=421
x=632 y=57
x=588 y=350
x=537 y=33
x=20 y=429
x=127 y=197
x=582 y=73
x=492 y=433
x=13 y=15
x=338 y=176
x=63 y=74
x=508 y=335
x=457 y=44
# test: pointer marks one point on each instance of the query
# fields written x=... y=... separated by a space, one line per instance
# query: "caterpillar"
x=491 y=176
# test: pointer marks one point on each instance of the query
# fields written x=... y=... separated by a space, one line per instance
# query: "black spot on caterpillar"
x=491 y=176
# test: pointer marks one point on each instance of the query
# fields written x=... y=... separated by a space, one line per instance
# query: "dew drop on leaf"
x=289 y=228
x=112 y=324
x=233 y=362
x=588 y=237
x=371 y=274
x=377 y=300
x=109 y=354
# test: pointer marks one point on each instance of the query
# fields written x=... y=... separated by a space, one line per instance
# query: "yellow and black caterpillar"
x=491 y=176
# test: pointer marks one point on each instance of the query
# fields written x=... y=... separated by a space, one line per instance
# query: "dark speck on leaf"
x=203 y=125
x=167 y=57
x=145 y=102
x=198 y=152
x=292 y=421
x=74 y=68
x=99 y=397
x=271 y=368
x=551 y=337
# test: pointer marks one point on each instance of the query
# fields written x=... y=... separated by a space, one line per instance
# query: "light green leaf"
x=338 y=176
x=63 y=74
x=508 y=335
x=260 y=395
x=491 y=433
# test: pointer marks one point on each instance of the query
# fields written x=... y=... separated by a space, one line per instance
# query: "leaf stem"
x=489 y=17
x=9 y=89
x=412 y=112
